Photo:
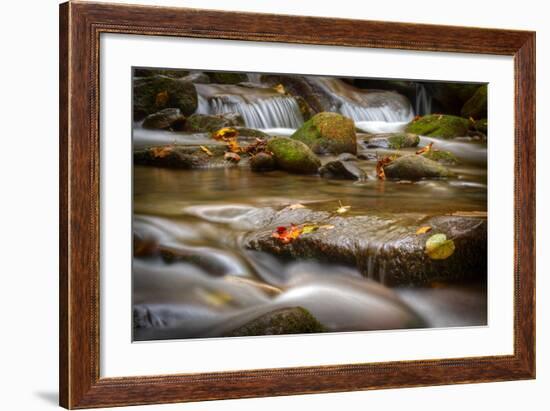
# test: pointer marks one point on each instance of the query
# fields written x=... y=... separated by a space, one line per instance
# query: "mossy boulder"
x=415 y=167
x=441 y=156
x=219 y=77
x=393 y=141
x=439 y=125
x=294 y=320
x=207 y=123
x=152 y=94
x=476 y=106
x=328 y=133
x=293 y=156
x=167 y=119
x=251 y=132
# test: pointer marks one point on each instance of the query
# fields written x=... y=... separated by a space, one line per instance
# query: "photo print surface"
x=277 y=204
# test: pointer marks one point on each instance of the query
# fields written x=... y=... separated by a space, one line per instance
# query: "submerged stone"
x=262 y=162
x=342 y=170
x=169 y=118
x=393 y=141
x=183 y=156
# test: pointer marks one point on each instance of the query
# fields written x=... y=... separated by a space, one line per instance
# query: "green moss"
x=226 y=78
x=402 y=140
x=443 y=157
x=413 y=167
x=293 y=156
x=481 y=125
x=439 y=125
x=295 y=320
x=328 y=133
x=476 y=106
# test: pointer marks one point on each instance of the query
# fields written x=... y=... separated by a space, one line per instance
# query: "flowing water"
x=206 y=213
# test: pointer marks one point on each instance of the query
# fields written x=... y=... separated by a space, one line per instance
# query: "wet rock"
x=219 y=77
x=393 y=141
x=295 y=320
x=480 y=126
x=262 y=162
x=442 y=157
x=143 y=245
x=345 y=170
x=293 y=156
x=201 y=123
x=328 y=133
x=346 y=157
x=197 y=77
x=311 y=99
x=251 y=132
x=182 y=156
x=383 y=248
x=439 y=125
x=476 y=106
x=155 y=93
x=415 y=167
x=366 y=155
x=450 y=97
x=167 y=119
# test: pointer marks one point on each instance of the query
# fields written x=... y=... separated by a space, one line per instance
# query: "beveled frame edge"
x=80 y=384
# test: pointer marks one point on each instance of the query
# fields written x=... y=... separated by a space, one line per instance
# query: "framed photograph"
x=259 y=205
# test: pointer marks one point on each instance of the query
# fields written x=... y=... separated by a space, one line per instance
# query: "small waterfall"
x=364 y=105
x=423 y=100
x=282 y=112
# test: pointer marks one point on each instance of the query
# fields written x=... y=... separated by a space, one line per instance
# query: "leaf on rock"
x=287 y=235
x=225 y=133
x=161 y=152
x=423 y=230
x=380 y=167
x=309 y=228
x=439 y=248
x=206 y=150
x=279 y=88
x=256 y=147
x=425 y=149
x=233 y=145
x=326 y=227
x=161 y=99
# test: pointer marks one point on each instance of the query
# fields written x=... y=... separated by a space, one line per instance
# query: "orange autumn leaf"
x=287 y=235
x=425 y=149
x=233 y=145
x=279 y=88
x=380 y=167
x=161 y=99
x=423 y=230
x=161 y=152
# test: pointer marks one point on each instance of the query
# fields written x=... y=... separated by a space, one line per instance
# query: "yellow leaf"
x=423 y=230
x=439 y=248
x=233 y=145
x=309 y=228
x=482 y=214
x=225 y=133
x=206 y=150
x=326 y=227
x=342 y=209
x=279 y=88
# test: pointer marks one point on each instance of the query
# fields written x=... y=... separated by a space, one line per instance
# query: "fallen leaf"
x=216 y=298
x=425 y=149
x=233 y=157
x=296 y=206
x=342 y=209
x=233 y=145
x=471 y=119
x=287 y=235
x=258 y=146
x=423 y=230
x=225 y=133
x=306 y=229
x=279 y=88
x=380 y=167
x=439 y=248
x=206 y=150
x=326 y=227
x=161 y=152
x=161 y=99
x=440 y=117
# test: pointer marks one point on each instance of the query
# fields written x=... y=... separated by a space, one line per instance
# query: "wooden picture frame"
x=80 y=27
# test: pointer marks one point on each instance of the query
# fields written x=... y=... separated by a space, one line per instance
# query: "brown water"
x=206 y=213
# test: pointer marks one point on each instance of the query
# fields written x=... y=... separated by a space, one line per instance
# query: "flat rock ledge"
x=385 y=249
